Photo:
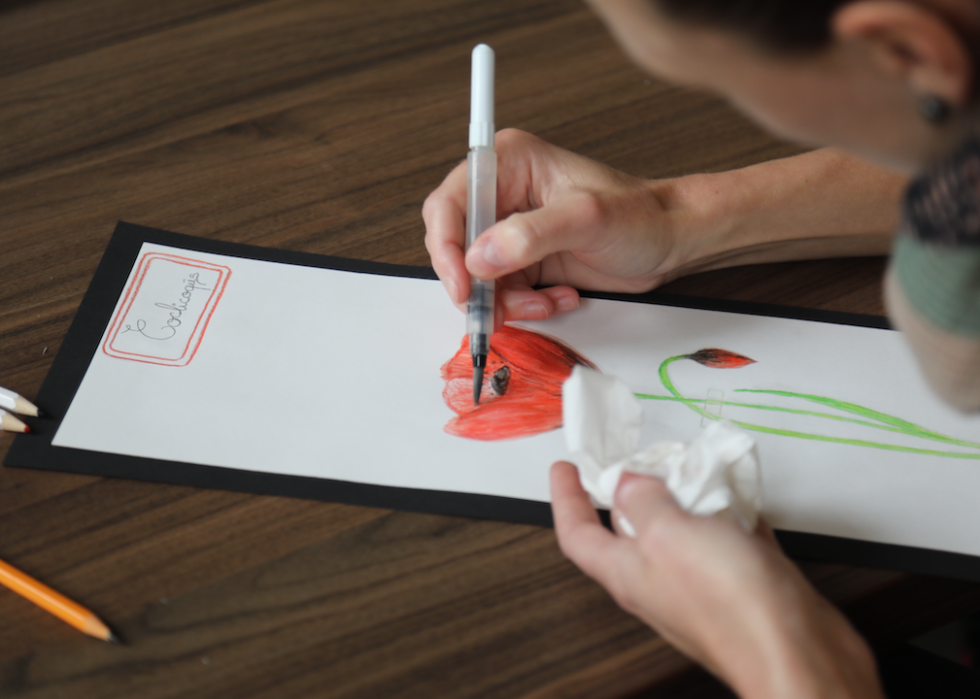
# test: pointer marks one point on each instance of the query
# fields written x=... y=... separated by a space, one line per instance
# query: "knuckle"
x=430 y=204
x=431 y=237
x=429 y=241
x=511 y=137
x=440 y=196
x=521 y=237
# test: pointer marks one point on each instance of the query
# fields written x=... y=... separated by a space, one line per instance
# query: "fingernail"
x=626 y=527
x=567 y=303
x=490 y=254
x=535 y=311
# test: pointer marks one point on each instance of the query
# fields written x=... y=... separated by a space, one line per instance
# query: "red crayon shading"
x=521 y=386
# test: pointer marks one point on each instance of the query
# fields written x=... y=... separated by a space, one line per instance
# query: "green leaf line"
x=904 y=425
x=855 y=442
x=793 y=411
x=897 y=423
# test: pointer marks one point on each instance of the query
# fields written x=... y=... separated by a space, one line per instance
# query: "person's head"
x=894 y=80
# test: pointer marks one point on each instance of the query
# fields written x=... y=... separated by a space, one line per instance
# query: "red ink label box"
x=166 y=309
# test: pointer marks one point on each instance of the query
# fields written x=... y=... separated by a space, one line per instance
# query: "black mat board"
x=94 y=314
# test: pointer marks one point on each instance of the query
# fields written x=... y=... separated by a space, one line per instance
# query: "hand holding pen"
x=566 y=223
x=547 y=194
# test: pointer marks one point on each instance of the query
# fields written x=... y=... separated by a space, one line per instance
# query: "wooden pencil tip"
x=113 y=638
x=27 y=428
x=40 y=413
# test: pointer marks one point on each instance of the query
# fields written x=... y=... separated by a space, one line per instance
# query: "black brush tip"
x=477 y=384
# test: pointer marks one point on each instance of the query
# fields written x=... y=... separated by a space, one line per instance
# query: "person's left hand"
x=728 y=599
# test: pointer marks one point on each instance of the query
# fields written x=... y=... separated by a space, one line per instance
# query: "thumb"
x=642 y=501
x=573 y=223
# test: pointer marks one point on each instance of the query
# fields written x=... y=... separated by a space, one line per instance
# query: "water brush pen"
x=481 y=206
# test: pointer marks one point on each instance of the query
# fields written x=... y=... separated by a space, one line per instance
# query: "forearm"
x=820 y=204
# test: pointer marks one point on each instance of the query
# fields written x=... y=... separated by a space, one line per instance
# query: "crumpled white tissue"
x=716 y=473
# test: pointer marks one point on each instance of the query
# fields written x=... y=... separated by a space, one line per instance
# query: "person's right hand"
x=564 y=221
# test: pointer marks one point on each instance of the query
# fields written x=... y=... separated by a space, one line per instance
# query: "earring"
x=933 y=109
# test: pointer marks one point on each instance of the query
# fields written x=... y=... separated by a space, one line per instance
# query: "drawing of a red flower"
x=521 y=386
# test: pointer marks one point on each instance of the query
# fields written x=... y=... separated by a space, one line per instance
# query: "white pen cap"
x=481 y=98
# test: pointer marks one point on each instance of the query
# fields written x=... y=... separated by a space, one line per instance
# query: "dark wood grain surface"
x=320 y=126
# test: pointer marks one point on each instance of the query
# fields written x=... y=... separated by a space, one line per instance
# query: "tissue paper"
x=716 y=473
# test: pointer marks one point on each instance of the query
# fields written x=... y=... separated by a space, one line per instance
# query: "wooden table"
x=321 y=126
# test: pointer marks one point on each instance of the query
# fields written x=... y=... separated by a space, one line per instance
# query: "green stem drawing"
x=863 y=416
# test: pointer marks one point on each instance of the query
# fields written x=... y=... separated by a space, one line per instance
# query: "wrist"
x=816 y=205
x=804 y=648
x=700 y=221
x=722 y=220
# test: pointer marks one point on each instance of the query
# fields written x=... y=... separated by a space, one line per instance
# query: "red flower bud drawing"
x=521 y=386
x=719 y=358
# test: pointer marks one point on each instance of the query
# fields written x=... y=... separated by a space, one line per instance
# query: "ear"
x=913 y=43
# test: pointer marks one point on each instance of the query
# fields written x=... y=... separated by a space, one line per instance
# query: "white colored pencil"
x=15 y=404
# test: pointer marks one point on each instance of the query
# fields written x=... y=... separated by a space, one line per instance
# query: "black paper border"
x=94 y=314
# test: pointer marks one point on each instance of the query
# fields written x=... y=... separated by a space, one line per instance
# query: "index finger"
x=444 y=214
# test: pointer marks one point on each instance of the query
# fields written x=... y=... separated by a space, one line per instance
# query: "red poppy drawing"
x=521 y=386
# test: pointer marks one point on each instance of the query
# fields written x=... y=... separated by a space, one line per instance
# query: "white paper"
x=335 y=375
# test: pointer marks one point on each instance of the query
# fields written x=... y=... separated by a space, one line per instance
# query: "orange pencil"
x=51 y=601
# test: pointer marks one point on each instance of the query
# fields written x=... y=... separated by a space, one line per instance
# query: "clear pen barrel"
x=481 y=213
